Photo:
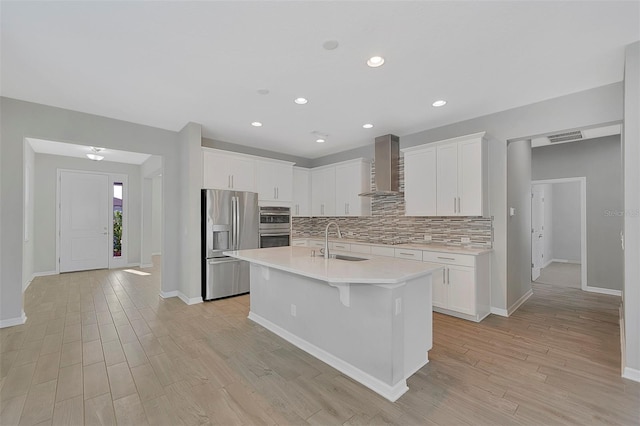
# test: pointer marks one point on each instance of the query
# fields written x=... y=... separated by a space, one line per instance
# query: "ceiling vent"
x=566 y=136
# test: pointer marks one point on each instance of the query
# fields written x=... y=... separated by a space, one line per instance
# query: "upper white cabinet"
x=301 y=205
x=420 y=182
x=274 y=180
x=224 y=170
x=353 y=178
x=447 y=178
x=335 y=189
x=323 y=186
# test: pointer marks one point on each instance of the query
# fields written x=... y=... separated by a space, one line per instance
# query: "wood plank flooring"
x=102 y=348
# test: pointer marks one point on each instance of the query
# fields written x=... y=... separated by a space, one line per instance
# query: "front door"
x=537 y=230
x=84 y=221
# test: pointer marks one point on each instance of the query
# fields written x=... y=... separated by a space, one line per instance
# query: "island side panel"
x=418 y=324
x=367 y=334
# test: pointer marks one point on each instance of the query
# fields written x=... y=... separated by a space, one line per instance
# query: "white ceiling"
x=80 y=151
x=164 y=64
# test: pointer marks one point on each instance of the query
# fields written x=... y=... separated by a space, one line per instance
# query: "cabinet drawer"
x=448 y=258
x=360 y=248
x=340 y=246
x=299 y=243
x=316 y=243
x=408 y=254
x=382 y=251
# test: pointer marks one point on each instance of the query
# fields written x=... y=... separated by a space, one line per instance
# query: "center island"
x=370 y=319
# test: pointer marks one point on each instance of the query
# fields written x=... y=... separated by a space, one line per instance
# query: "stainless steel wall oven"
x=275 y=226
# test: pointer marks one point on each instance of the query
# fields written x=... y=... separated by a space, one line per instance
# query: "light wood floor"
x=561 y=274
x=101 y=347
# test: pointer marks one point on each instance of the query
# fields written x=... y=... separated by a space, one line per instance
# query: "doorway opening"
x=559 y=232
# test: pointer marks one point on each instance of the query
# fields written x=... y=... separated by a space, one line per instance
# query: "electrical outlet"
x=427 y=237
x=465 y=240
x=293 y=310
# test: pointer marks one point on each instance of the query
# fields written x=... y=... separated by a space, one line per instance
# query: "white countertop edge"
x=437 y=248
x=432 y=267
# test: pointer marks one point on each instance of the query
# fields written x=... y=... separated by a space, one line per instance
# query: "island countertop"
x=373 y=270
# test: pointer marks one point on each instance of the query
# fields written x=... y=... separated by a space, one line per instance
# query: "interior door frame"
x=535 y=207
x=583 y=221
x=112 y=177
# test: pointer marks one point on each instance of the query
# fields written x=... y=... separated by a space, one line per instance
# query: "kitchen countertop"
x=425 y=247
x=374 y=270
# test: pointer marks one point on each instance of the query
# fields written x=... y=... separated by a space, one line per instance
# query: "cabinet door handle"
x=322 y=209
x=444 y=271
x=455 y=209
x=446 y=258
x=231 y=181
x=459 y=209
x=448 y=270
x=275 y=196
x=407 y=254
x=228 y=181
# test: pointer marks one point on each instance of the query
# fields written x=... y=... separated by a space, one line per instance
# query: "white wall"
x=46 y=167
x=631 y=144
x=156 y=215
x=21 y=119
x=548 y=224
x=566 y=221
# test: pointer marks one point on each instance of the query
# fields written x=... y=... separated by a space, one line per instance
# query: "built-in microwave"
x=275 y=226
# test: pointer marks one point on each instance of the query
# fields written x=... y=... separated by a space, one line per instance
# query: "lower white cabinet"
x=299 y=243
x=461 y=290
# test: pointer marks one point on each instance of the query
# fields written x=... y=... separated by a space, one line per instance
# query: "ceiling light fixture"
x=300 y=101
x=439 y=103
x=256 y=124
x=375 y=61
x=95 y=157
x=367 y=126
x=330 y=44
x=320 y=140
x=262 y=91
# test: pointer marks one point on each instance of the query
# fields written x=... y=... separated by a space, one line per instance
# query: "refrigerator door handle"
x=236 y=220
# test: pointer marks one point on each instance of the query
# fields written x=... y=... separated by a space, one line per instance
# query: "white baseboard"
x=129 y=265
x=26 y=285
x=392 y=393
x=168 y=294
x=189 y=301
x=146 y=265
x=549 y=262
x=156 y=254
x=631 y=374
x=499 y=311
x=13 y=321
x=602 y=290
x=519 y=302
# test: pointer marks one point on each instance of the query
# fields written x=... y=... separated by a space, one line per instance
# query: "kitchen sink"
x=348 y=258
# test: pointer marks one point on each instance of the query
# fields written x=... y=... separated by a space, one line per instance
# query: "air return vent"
x=565 y=137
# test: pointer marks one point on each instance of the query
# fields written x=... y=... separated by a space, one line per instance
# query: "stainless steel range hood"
x=387 y=163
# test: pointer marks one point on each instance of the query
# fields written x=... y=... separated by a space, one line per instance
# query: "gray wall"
x=548 y=223
x=631 y=144
x=518 y=225
x=156 y=216
x=21 y=119
x=243 y=149
x=28 y=249
x=566 y=221
x=599 y=160
x=46 y=167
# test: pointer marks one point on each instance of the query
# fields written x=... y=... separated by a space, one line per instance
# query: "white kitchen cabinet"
x=335 y=189
x=420 y=181
x=274 y=180
x=223 y=170
x=299 y=243
x=353 y=178
x=323 y=187
x=301 y=205
x=447 y=178
x=462 y=177
x=459 y=289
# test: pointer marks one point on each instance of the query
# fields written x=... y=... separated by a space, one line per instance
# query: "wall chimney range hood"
x=387 y=164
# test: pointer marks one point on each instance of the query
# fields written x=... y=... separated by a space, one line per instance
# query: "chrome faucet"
x=326 y=238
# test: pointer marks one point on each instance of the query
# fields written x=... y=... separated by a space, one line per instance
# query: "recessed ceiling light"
x=330 y=44
x=439 y=103
x=320 y=140
x=95 y=157
x=96 y=149
x=375 y=61
x=256 y=124
x=263 y=91
x=367 y=126
x=300 y=101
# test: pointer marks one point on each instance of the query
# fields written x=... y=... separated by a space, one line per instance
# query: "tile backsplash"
x=388 y=224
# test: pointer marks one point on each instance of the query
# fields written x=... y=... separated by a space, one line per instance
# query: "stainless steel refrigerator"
x=229 y=222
